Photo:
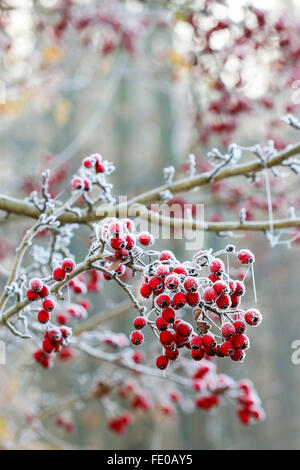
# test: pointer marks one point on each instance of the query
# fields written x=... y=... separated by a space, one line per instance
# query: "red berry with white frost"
x=190 y=284
x=36 y=285
x=139 y=323
x=228 y=330
x=210 y=295
x=146 y=239
x=216 y=266
x=68 y=265
x=59 y=274
x=246 y=256
x=172 y=282
x=162 y=362
x=136 y=338
x=253 y=317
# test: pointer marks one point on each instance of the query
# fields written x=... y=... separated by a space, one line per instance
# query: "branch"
x=19 y=207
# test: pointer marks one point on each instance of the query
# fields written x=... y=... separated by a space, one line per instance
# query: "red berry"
x=129 y=224
x=48 y=305
x=122 y=254
x=240 y=288
x=253 y=317
x=183 y=328
x=139 y=323
x=59 y=274
x=87 y=185
x=209 y=295
x=239 y=326
x=208 y=341
x=241 y=342
x=163 y=301
x=244 y=416
x=166 y=338
x=246 y=256
x=68 y=265
x=155 y=283
x=238 y=355
x=221 y=287
x=77 y=183
x=47 y=346
x=235 y=301
x=179 y=300
x=193 y=299
x=172 y=354
x=180 y=270
x=213 y=277
x=190 y=284
x=31 y=296
x=130 y=242
x=118 y=243
x=89 y=162
x=227 y=348
x=162 y=362
x=36 y=285
x=168 y=315
x=223 y=302
x=197 y=354
x=161 y=271
x=145 y=290
x=137 y=338
x=43 y=316
x=196 y=342
x=166 y=255
x=228 y=330
x=216 y=266
x=232 y=286
x=146 y=239
x=44 y=292
x=161 y=324
x=172 y=282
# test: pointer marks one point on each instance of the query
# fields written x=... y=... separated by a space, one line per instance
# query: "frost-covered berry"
x=43 y=316
x=210 y=295
x=163 y=301
x=36 y=285
x=180 y=270
x=166 y=338
x=241 y=342
x=48 y=305
x=172 y=354
x=166 y=255
x=216 y=266
x=77 y=183
x=59 y=274
x=239 y=326
x=193 y=298
x=161 y=271
x=117 y=243
x=168 y=315
x=31 y=295
x=238 y=355
x=179 y=300
x=240 y=288
x=68 y=265
x=208 y=341
x=227 y=348
x=155 y=283
x=44 y=292
x=162 y=362
x=161 y=323
x=190 y=284
x=136 y=338
x=221 y=287
x=246 y=256
x=196 y=342
x=223 y=302
x=139 y=323
x=130 y=242
x=183 y=328
x=146 y=239
x=253 y=317
x=145 y=290
x=228 y=331
x=235 y=301
x=197 y=354
x=172 y=282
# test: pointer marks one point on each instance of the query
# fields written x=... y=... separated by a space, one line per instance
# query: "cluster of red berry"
x=215 y=300
x=68 y=426
x=91 y=167
x=55 y=339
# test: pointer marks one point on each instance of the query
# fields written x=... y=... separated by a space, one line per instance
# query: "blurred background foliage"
x=65 y=100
